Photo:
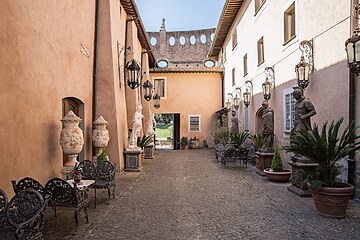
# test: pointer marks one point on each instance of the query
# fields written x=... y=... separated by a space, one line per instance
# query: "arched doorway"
x=77 y=106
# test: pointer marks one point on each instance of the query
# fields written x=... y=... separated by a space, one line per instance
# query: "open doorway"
x=164 y=131
x=167 y=131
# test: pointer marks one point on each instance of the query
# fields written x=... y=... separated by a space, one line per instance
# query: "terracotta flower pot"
x=332 y=202
x=282 y=176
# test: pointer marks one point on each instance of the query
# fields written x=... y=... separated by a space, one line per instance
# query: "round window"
x=162 y=63
x=209 y=63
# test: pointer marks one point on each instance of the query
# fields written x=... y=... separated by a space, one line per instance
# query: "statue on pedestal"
x=267 y=128
x=137 y=127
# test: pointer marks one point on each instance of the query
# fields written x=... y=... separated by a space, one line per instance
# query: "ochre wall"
x=192 y=93
x=41 y=64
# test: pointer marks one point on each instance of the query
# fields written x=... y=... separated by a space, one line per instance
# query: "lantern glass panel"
x=350 y=52
x=357 y=51
x=300 y=72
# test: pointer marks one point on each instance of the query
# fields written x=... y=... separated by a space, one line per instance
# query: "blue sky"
x=179 y=15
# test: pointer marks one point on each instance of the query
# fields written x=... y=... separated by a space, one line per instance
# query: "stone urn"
x=100 y=135
x=71 y=137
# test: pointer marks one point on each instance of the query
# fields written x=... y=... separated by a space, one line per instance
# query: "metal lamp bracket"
x=306 y=47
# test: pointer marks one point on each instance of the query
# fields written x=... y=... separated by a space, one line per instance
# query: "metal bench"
x=23 y=216
x=232 y=154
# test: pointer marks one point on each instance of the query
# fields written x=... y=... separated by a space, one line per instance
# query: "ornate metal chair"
x=63 y=194
x=28 y=183
x=103 y=174
x=23 y=216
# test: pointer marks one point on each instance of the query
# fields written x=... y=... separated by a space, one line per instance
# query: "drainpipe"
x=94 y=61
x=352 y=77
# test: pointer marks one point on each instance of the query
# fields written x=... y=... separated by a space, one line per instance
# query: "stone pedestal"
x=297 y=186
x=149 y=152
x=133 y=160
x=263 y=161
x=65 y=170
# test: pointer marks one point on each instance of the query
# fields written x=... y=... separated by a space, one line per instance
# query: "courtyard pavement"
x=185 y=194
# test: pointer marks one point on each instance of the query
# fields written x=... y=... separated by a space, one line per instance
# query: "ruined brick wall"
x=182 y=49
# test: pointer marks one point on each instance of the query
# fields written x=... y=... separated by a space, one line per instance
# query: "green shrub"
x=276 y=164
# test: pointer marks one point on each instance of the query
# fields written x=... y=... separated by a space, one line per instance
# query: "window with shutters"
x=194 y=123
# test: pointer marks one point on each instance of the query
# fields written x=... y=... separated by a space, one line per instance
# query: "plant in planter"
x=276 y=173
x=257 y=140
x=220 y=134
x=184 y=142
x=144 y=141
x=103 y=156
x=327 y=147
x=239 y=139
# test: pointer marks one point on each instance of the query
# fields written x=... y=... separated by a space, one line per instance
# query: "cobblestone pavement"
x=187 y=195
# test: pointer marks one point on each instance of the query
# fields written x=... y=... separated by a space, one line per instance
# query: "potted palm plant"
x=276 y=173
x=143 y=142
x=239 y=139
x=327 y=147
x=258 y=140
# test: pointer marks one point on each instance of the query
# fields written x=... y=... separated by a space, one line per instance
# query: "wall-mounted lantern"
x=132 y=74
x=305 y=66
x=147 y=86
x=247 y=96
x=229 y=101
x=269 y=83
x=156 y=101
x=352 y=46
x=236 y=100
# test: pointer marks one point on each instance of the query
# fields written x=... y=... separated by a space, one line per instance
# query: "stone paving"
x=185 y=194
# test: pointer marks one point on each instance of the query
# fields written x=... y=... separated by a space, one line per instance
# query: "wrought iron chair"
x=63 y=194
x=23 y=216
x=28 y=183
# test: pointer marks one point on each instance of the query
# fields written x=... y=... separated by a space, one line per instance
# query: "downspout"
x=352 y=77
x=94 y=61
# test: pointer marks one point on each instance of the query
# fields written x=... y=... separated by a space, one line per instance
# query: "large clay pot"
x=71 y=137
x=332 y=202
x=282 y=176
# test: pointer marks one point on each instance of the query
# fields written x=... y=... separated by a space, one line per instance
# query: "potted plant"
x=276 y=173
x=258 y=140
x=184 y=142
x=103 y=156
x=327 y=147
x=239 y=139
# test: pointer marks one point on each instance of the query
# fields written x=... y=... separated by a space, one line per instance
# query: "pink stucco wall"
x=41 y=63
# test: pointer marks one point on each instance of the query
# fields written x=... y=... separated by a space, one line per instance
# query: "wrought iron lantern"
x=147 y=86
x=236 y=102
x=156 y=101
x=352 y=47
x=247 y=96
x=269 y=82
x=228 y=104
x=304 y=67
x=133 y=74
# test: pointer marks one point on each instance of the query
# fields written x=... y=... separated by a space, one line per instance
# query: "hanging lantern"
x=132 y=73
x=156 y=100
x=147 y=86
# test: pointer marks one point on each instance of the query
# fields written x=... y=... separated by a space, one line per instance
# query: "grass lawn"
x=163 y=131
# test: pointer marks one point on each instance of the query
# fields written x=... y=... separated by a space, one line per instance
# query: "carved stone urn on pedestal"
x=71 y=137
x=100 y=137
